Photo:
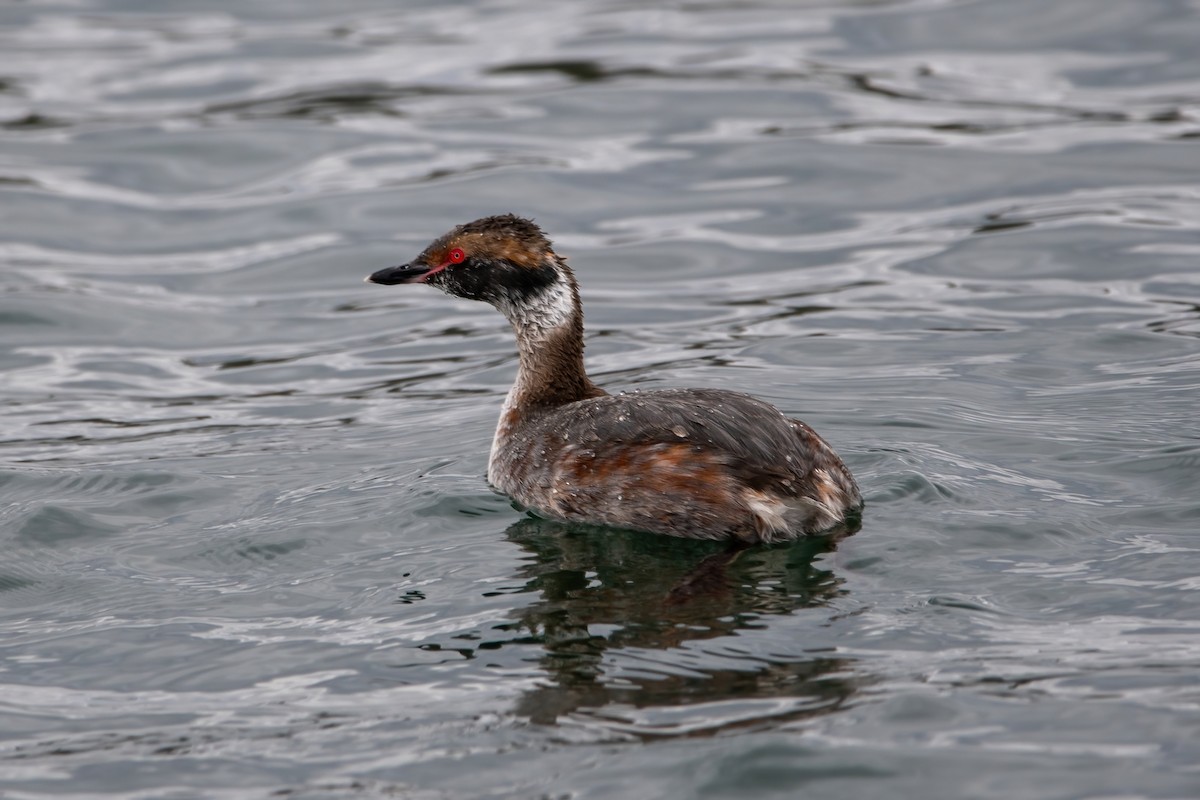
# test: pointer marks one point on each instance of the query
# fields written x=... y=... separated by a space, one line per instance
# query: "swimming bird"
x=698 y=463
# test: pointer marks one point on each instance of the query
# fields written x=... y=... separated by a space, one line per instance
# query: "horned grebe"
x=701 y=463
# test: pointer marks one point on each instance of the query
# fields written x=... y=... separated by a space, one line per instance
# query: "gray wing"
x=761 y=447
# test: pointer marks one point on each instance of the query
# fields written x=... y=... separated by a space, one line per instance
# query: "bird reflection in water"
x=616 y=609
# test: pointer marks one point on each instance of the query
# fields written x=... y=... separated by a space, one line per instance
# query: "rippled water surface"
x=249 y=549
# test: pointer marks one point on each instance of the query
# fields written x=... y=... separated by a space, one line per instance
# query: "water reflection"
x=619 y=612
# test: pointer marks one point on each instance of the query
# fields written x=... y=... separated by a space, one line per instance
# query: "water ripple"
x=249 y=542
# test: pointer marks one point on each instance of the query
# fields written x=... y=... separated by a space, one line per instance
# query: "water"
x=249 y=548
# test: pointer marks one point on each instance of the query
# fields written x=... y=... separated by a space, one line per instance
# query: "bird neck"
x=549 y=330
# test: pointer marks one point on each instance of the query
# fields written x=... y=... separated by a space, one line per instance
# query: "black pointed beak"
x=405 y=273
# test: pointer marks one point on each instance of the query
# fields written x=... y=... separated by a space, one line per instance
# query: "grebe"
x=700 y=463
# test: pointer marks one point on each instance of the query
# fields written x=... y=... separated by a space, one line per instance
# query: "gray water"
x=248 y=545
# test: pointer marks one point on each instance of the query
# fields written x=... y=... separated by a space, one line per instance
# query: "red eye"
x=456 y=255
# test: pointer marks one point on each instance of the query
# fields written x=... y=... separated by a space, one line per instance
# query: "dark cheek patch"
x=469 y=281
x=425 y=278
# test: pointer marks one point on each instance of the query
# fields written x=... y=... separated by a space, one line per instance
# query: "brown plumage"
x=701 y=463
